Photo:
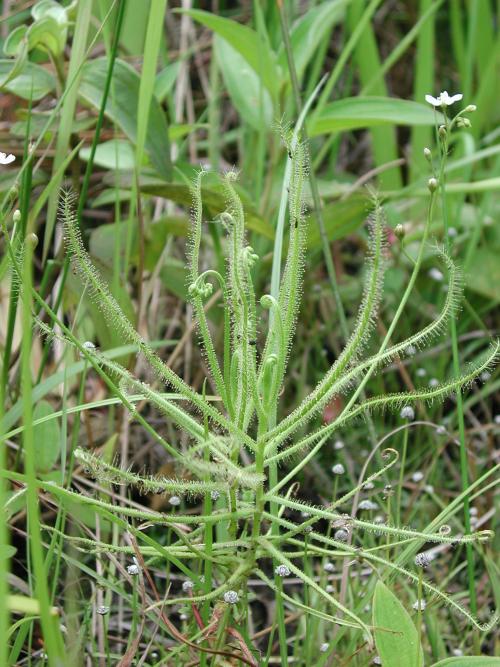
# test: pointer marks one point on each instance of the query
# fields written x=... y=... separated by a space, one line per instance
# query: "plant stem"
x=464 y=474
x=401 y=475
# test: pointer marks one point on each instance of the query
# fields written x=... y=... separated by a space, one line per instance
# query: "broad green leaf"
x=395 y=634
x=165 y=80
x=341 y=218
x=104 y=238
x=113 y=154
x=245 y=88
x=47 y=438
x=43 y=197
x=122 y=108
x=356 y=112
x=483 y=273
x=247 y=42
x=109 y=197
x=212 y=195
x=472 y=661
x=31 y=80
x=308 y=32
x=174 y=276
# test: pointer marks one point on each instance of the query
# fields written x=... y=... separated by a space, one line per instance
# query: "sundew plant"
x=249 y=378
x=237 y=523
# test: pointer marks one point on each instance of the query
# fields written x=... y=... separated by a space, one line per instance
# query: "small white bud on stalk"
x=432 y=184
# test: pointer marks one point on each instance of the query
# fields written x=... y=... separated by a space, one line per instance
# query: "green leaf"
x=113 y=154
x=121 y=107
x=308 y=32
x=473 y=661
x=30 y=81
x=395 y=635
x=483 y=273
x=25 y=605
x=356 y=112
x=165 y=80
x=174 y=276
x=247 y=42
x=7 y=551
x=47 y=438
x=342 y=217
x=245 y=88
x=212 y=195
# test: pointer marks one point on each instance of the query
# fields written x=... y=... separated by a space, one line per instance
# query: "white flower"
x=324 y=647
x=417 y=476
x=338 y=445
x=214 y=495
x=6 y=159
x=175 y=501
x=133 y=570
x=338 y=469
x=329 y=567
x=443 y=100
x=330 y=588
x=187 y=585
x=368 y=486
x=433 y=382
x=421 y=372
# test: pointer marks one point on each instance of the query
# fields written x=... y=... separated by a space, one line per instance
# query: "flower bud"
x=432 y=184
x=470 y=108
x=442 y=131
x=32 y=240
x=13 y=192
x=427 y=154
x=399 y=231
x=231 y=597
x=16 y=216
